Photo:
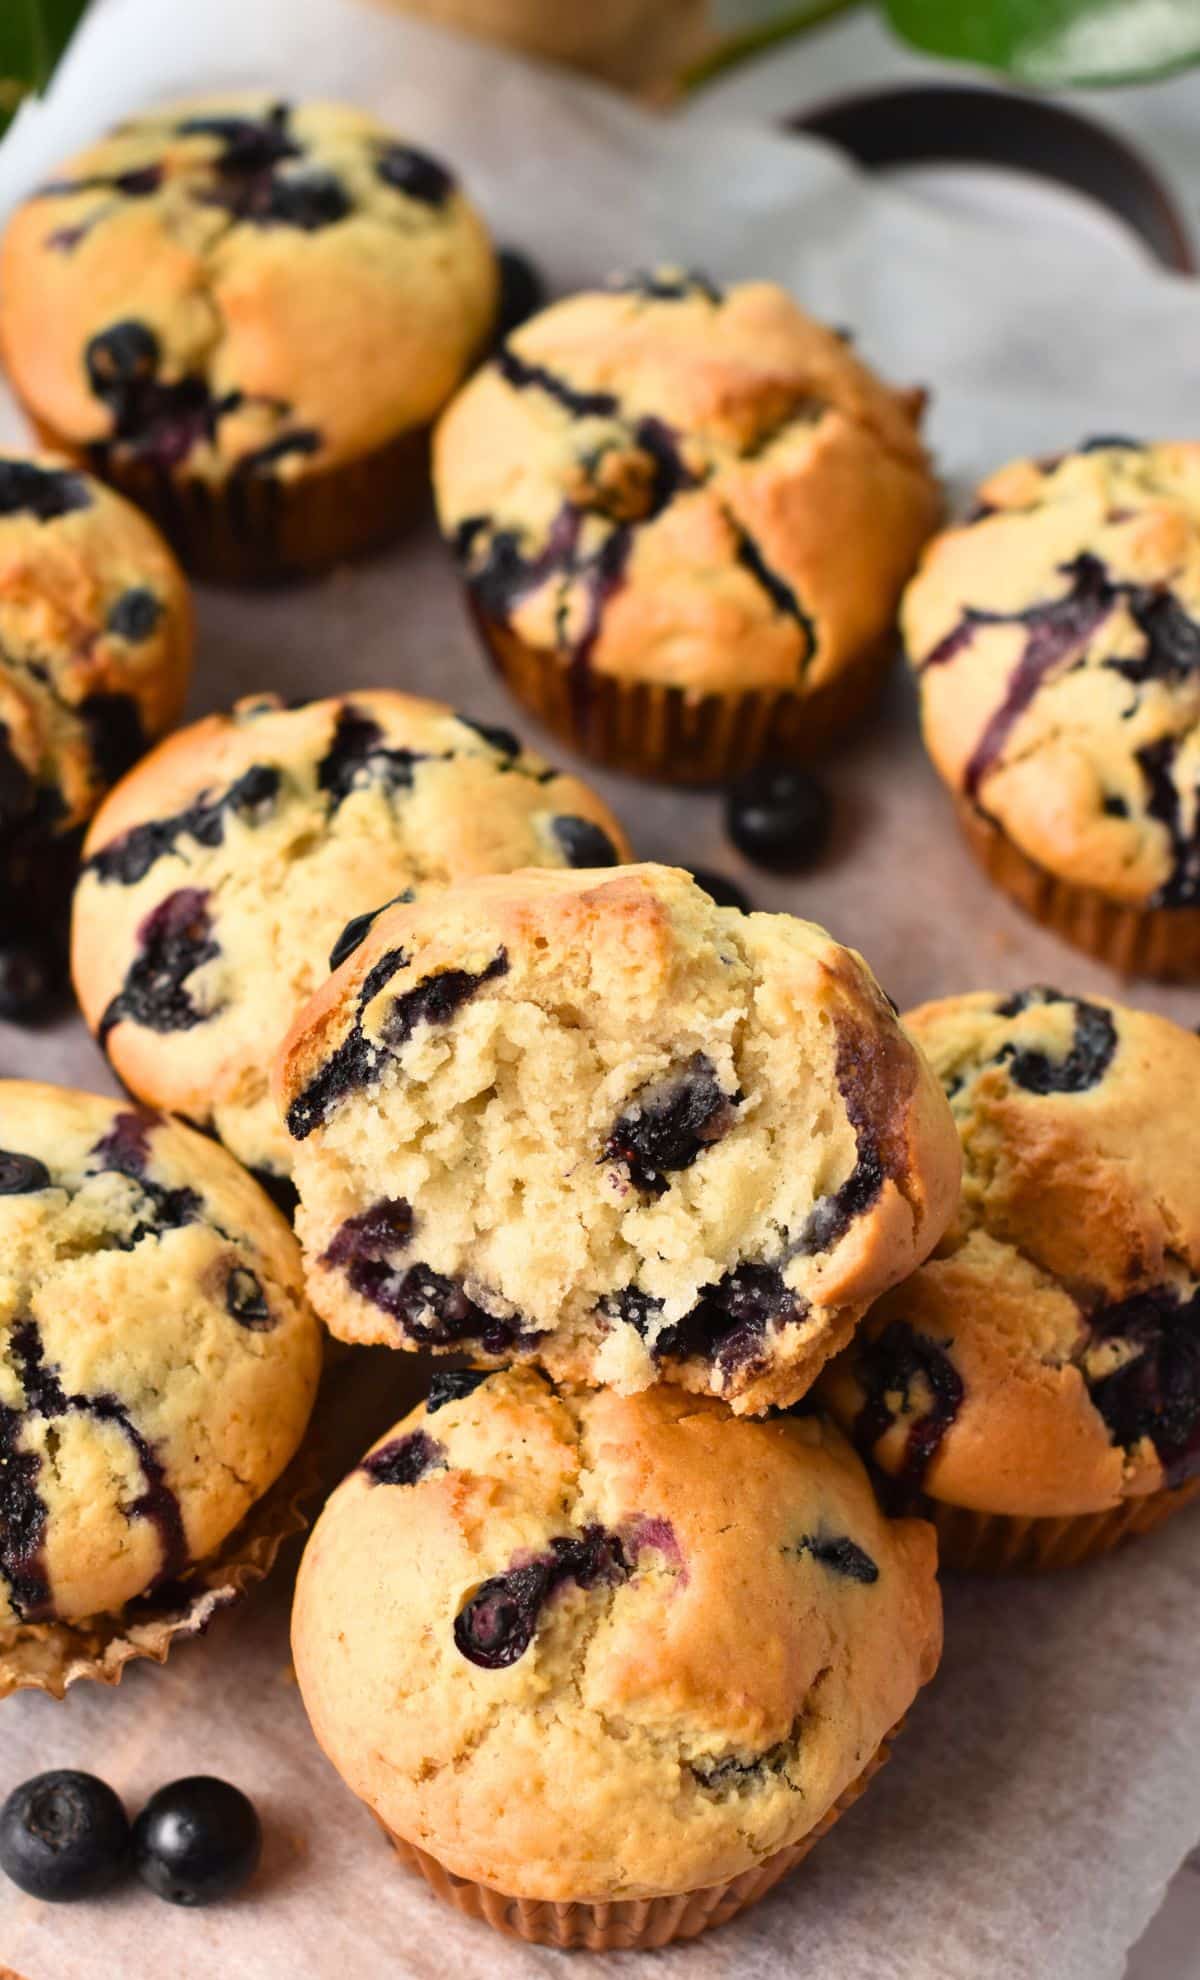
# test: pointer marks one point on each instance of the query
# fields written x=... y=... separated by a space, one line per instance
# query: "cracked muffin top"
x=239 y=286
x=1056 y=637
x=95 y=642
x=158 y=1359
x=596 y=1121
x=684 y=484
x=220 y=877
x=1046 y=1360
x=522 y=1633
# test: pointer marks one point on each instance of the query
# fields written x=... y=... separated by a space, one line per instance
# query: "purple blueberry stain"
x=251 y=799
x=23 y=1513
x=728 y=1327
x=1154 y=1392
x=174 y=941
x=404 y=1460
x=671 y=1123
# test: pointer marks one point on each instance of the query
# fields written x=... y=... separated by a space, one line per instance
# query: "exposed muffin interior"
x=599 y=1121
x=219 y=880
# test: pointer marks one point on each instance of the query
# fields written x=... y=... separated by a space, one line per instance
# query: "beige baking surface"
x=1046 y=1788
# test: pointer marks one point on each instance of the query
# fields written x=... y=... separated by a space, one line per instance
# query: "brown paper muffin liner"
x=627 y=1924
x=259 y=528
x=52 y=1656
x=1161 y=942
x=998 y=1543
x=673 y=734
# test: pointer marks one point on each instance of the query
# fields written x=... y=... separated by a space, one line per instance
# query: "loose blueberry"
x=722 y=890
x=63 y=1836
x=583 y=843
x=522 y=290
x=20 y=1175
x=197 y=1840
x=780 y=818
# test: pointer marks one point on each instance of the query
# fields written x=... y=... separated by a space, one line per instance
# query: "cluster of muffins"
x=757 y=1298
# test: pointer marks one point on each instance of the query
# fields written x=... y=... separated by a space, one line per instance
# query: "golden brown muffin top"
x=1046 y=1360
x=536 y=1621
x=595 y=1120
x=95 y=641
x=1056 y=637
x=158 y=1360
x=219 y=877
x=242 y=286
x=680 y=483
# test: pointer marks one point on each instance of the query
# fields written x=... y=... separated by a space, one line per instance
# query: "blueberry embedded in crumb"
x=246 y=1302
x=405 y=1460
x=447 y=1385
x=500 y=739
x=63 y=1836
x=124 y=355
x=26 y=488
x=583 y=843
x=414 y=173
x=522 y=291
x=721 y=890
x=134 y=615
x=355 y=933
x=197 y=1840
x=20 y=1175
x=781 y=819
x=843 y=1555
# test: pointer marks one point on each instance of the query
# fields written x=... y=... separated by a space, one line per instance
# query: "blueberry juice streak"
x=893 y=1365
x=23 y=1512
x=496 y=1626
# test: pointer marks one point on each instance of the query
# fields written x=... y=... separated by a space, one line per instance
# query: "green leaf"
x=1053 y=43
x=755 y=41
x=33 y=35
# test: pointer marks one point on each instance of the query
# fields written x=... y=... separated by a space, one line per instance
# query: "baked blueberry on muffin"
x=95 y=649
x=598 y=1122
x=1035 y=1386
x=221 y=878
x=1056 y=638
x=158 y=1360
x=642 y=1669
x=245 y=313
x=683 y=515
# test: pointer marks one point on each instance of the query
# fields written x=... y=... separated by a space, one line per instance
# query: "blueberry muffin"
x=158 y=1360
x=683 y=515
x=521 y=1635
x=1056 y=638
x=95 y=651
x=246 y=313
x=1035 y=1386
x=221 y=877
x=597 y=1122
